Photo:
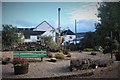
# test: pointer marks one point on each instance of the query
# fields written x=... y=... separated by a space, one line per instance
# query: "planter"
x=21 y=69
x=117 y=55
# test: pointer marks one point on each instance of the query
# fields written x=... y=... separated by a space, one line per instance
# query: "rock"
x=80 y=64
x=103 y=63
x=53 y=59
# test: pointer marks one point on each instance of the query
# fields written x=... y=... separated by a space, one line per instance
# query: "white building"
x=45 y=26
x=31 y=34
x=68 y=36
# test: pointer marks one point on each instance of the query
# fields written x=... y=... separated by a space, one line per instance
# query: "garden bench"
x=31 y=54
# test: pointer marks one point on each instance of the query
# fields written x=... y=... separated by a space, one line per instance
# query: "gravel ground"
x=61 y=68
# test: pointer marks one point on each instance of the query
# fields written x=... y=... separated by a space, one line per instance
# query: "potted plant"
x=6 y=61
x=21 y=65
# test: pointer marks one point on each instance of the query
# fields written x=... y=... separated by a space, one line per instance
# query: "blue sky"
x=30 y=14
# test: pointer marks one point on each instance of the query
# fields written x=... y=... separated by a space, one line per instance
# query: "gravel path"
x=61 y=68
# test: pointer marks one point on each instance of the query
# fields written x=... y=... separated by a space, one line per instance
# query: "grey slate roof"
x=67 y=32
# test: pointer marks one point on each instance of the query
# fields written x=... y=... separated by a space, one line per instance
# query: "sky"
x=31 y=14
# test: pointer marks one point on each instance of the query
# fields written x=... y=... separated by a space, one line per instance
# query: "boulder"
x=103 y=63
x=81 y=64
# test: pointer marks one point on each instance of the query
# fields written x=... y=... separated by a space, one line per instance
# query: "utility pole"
x=75 y=32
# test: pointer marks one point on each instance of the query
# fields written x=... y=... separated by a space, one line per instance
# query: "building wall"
x=45 y=27
x=68 y=38
x=32 y=39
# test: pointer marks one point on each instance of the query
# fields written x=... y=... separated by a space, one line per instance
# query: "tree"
x=88 y=41
x=9 y=36
x=45 y=40
x=109 y=25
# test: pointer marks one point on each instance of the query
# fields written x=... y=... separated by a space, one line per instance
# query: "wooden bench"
x=31 y=54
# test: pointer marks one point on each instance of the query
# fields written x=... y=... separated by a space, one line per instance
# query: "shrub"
x=68 y=55
x=50 y=55
x=59 y=55
x=88 y=49
x=7 y=59
x=65 y=51
x=93 y=53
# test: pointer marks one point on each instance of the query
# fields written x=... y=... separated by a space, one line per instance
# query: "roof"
x=28 y=33
x=67 y=32
x=22 y=29
x=42 y=23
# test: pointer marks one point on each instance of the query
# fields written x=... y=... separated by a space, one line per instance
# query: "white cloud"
x=86 y=11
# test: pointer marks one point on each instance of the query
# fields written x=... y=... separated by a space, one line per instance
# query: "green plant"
x=59 y=55
x=93 y=53
x=68 y=55
x=64 y=50
x=7 y=59
x=88 y=49
x=50 y=55
x=20 y=62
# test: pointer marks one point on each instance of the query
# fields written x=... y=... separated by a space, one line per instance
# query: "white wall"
x=67 y=38
x=32 y=39
x=45 y=27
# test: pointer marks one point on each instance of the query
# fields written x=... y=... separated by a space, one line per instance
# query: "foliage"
x=68 y=55
x=7 y=59
x=59 y=55
x=45 y=40
x=88 y=41
x=53 y=45
x=109 y=25
x=88 y=49
x=64 y=50
x=115 y=45
x=10 y=36
x=93 y=53
x=50 y=55
x=20 y=61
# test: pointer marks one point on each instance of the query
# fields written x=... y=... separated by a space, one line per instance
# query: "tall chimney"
x=59 y=19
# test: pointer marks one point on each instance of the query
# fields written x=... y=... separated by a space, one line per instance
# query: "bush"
x=59 y=55
x=88 y=49
x=93 y=53
x=68 y=55
x=7 y=59
x=50 y=55
x=64 y=50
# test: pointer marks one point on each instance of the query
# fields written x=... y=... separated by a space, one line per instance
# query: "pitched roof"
x=67 y=32
x=42 y=23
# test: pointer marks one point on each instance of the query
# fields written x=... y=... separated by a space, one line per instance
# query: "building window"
x=70 y=37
